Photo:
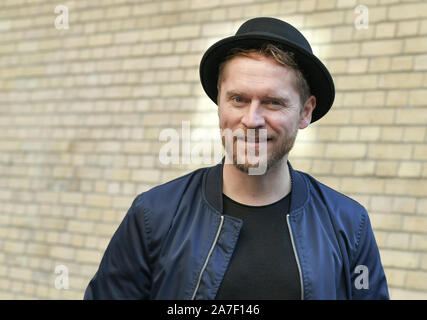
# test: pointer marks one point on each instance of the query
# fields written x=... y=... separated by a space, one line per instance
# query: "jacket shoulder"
x=170 y=193
x=348 y=216
x=159 y=203
x=354 y=232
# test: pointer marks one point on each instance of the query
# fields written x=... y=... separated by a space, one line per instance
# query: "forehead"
x=257 y=71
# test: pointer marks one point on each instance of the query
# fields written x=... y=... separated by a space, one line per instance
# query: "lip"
x=256 y=140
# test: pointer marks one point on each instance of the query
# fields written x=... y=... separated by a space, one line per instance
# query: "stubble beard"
x=273 y=160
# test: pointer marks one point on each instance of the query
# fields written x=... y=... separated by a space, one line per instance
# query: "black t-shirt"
x=263 y=265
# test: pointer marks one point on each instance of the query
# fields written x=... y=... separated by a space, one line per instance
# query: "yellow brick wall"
x=82 y=110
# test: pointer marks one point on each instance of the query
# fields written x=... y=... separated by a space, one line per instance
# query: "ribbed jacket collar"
x=213 y=187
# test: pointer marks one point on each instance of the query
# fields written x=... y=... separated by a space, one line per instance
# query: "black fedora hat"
x=257 y=31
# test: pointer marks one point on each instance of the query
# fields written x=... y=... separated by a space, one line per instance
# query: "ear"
x=307 y=112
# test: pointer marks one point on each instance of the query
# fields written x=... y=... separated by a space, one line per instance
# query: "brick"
x=385 y=30
x=117 y=174
x=145 y=175
x=306 y=5
x=406 y=187
x=362 y=185
x=100 y=39
x=80 y=226
x=20 y=273
x=342 y=33
x=216 y=29
x=400 y=80
x=184 y=31
x=373 y=116
x=423 y=27
x=420 y=62
x=307 y=150
x=398 y=241
x=337 y=116
x=424 y=262
x=407 y=28
x=415 y=45
x=381 y=204
x=336 y=67
x=321 y=167
x=381 y=47
x=417 y=280
x=348 y=134
x=395 y=277
x=71 y=198
x=345 y=50
x=324 y=19
x=376 y=13
x=411 y=116
x=369 y=133
x=61 y=252
x=391 y=134
x=417 y=98
x=14 y=247
x=424 y=174
x=402 y=63
x=357 y=65
x=414 y=134
x=106 y=229
x=100 y=187
x=342 y=167
x=356 y=82
x=364 y=168
x=88 y=256
x=404 y=205
x=422 y=206
x=397 y=99
x=378 y=64
x=407 y=11
x=409 y=169
x=325 y=5
x=127 y=37
x=375 y=98
x=419 y=242
x=386 y=168
x=346 y=4
x=387 y=222
x=389 y=151
x=98 y=200
x=400 y=259
x=175 y=90
x=352 y=99
x=38 y=249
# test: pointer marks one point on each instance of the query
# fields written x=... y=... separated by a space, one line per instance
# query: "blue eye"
x=238 y=99
x=276 y=103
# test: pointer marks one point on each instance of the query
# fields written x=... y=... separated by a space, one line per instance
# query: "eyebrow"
x=233 y=93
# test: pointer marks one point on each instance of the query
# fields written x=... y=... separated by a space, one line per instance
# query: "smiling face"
x=258 y=93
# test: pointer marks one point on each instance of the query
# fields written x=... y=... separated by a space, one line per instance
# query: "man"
x=227 y=232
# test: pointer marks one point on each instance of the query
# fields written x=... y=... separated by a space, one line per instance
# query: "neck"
x=257 y=190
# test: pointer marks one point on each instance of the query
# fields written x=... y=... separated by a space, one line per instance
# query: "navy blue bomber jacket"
x=175 y=243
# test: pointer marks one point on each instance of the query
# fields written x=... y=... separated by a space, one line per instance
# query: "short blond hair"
x=285 y=58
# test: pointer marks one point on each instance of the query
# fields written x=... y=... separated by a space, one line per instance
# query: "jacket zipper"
x=207 y=258
x=296 y=257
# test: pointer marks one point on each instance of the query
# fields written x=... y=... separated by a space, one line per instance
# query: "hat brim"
x=317 y=75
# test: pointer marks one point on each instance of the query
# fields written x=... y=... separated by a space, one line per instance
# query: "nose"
x=253 y=117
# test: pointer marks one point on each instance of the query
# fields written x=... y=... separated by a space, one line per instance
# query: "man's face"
x=258 y=93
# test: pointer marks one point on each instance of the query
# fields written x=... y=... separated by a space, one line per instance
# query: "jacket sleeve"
x=124 y=271
x=368 y=280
